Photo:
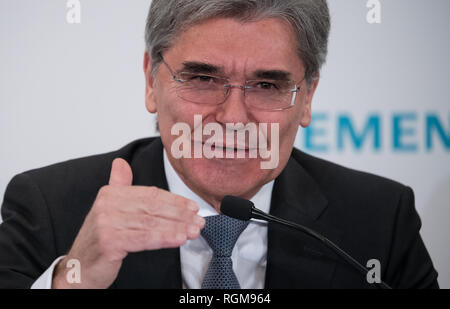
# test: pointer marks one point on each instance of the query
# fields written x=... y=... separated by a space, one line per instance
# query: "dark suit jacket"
x=368 y=216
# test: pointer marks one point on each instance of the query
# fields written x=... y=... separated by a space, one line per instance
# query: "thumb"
x=121 y=174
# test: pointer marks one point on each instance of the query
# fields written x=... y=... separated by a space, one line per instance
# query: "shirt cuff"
x=44 y=282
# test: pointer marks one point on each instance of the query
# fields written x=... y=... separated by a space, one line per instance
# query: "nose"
x=233 y=110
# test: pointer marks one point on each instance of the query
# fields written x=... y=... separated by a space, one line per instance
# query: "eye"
x=203 y=79
x=267 y=86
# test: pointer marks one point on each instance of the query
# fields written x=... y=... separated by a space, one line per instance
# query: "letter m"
x=346 y=128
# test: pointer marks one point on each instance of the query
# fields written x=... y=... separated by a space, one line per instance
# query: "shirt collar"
x=177 y=186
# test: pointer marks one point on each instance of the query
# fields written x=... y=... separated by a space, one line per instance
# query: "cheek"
x=288 y=133
x=288 y=122
x=170 y=109
x=173 y=110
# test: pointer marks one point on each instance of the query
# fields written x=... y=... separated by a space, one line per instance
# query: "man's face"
x=238 y=50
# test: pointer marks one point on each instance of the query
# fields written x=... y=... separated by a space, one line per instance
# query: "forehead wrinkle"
x=259 y=72
x=235 y=72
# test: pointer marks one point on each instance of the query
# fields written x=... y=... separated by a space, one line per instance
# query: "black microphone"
x=242 y=209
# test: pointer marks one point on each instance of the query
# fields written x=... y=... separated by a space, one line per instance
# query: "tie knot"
x=221 y=233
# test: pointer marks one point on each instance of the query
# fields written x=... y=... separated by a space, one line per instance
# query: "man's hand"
x=123 y=219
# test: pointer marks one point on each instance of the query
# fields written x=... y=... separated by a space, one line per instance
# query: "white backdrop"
x=71 y=90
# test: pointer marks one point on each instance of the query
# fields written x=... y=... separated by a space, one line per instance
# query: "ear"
x=150 y=102
x=305 y=119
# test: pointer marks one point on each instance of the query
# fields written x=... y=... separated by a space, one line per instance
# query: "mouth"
x=234 y=149
x=217 y=146
x=235 y=152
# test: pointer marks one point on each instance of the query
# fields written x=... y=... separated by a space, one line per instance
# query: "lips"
x=228 y=146
x=214 y=147
x=237 y=142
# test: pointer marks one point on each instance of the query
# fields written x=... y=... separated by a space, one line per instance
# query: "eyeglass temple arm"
x=175 y=78
x=294 y=96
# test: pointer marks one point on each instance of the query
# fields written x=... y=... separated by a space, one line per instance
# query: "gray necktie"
x=221 y=233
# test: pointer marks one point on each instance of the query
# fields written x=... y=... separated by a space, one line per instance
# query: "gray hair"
x=310 y=20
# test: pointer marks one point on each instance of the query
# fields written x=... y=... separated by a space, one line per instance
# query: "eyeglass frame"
x=228 y=88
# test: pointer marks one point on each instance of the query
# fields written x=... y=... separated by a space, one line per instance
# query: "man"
x=147 y=215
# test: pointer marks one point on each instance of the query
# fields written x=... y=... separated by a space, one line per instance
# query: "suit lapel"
x=295 y=260
x=150 y=269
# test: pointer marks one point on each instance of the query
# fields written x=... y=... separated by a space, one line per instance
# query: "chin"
x=219 y=189
x=227 y=177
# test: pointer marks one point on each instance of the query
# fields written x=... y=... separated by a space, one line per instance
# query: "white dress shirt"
x=249 y=254
x=250 y=251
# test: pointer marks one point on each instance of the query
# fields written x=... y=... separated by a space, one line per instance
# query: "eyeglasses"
x=265 y=94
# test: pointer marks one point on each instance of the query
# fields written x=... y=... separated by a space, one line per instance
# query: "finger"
x=158 y=202
x=121 y=174
x=169 y=198
x=137 y=241
x=151 y=224
x=163 y=235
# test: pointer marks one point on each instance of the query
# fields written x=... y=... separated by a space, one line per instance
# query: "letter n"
x=433 y=124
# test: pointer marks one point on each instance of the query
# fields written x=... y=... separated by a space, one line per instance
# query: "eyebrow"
x=205 y=68
x=272 y=74
x=200 y=67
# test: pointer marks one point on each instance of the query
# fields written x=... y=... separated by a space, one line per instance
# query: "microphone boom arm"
x=258 y=214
